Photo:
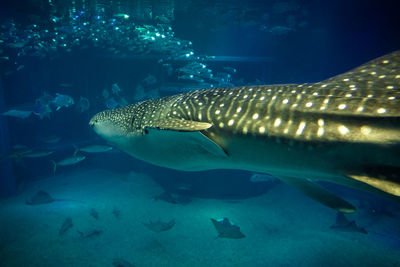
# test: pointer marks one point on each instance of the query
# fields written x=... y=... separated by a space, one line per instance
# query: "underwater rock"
x=343 y=224
x=66 y=226
x=39 y=198
x=122 y=263
x=227 y=229
x=159 y=226
x=94 y=213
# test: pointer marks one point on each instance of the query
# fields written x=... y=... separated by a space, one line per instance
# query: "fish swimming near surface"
x=345 y=130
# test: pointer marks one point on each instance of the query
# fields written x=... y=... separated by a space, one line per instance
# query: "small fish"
x=39 y=153
x=83 y=104
x=122 y=15
x=94 y=149
x=67 y=161
x=115 y=89
x=106 y=94
x=51 y=140
x=62 y=101
x=19 y=153
x=22 y=114
x=43 y=111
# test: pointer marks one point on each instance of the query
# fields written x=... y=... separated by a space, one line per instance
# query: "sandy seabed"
x=282 y=228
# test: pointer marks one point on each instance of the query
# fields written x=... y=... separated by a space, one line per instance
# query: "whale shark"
x=344 y=130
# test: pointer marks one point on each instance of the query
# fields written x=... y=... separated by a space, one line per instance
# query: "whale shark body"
x=344 y=130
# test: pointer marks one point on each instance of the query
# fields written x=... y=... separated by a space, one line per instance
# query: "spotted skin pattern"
x=348 y=122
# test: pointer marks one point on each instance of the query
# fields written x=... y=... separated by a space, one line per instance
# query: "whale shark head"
x=115 y=124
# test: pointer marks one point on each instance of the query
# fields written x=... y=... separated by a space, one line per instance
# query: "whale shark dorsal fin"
x=320 y=194
x=180 y=125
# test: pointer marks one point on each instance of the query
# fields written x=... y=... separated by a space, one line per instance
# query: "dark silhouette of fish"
x=42 y=197
x=90 y=233
x=226 y=229
x=343 y=224
x=122 y=263
x=66 y=226
x=94 y=213
x=159 y=226
x=116 y=212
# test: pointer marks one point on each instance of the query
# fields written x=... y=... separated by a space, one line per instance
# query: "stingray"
x=66 y=226
x=227 y=229
x=343 y=224
x=42 y=197
x=160 y=226
x=171 y=198
x=39 y=198
x=90 y=233
x=117 y=262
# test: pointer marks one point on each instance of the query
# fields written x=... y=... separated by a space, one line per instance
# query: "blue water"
x=117 y=53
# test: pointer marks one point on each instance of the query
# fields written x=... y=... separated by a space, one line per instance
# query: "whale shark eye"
x=146 y=131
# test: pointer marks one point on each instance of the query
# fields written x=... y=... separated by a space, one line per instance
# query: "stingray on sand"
x=343 y=224
x=159 y=226
x=42 y=197
x=66 y=226
x=227 y=229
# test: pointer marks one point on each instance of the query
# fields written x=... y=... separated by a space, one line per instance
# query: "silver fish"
x=38 y=153
x=22 y=114
x=68 y=161
x=94 y=148
x=344 y=130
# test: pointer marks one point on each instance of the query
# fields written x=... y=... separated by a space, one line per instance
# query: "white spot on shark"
x=381 y=110
x=343 y=130
x=301 y=127
x=277 y=122
x=309 y=104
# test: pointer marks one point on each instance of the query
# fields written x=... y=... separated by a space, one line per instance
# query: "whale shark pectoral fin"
x=320 y=194
x=387 y=185
x=181 y=125
x=196 y=140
